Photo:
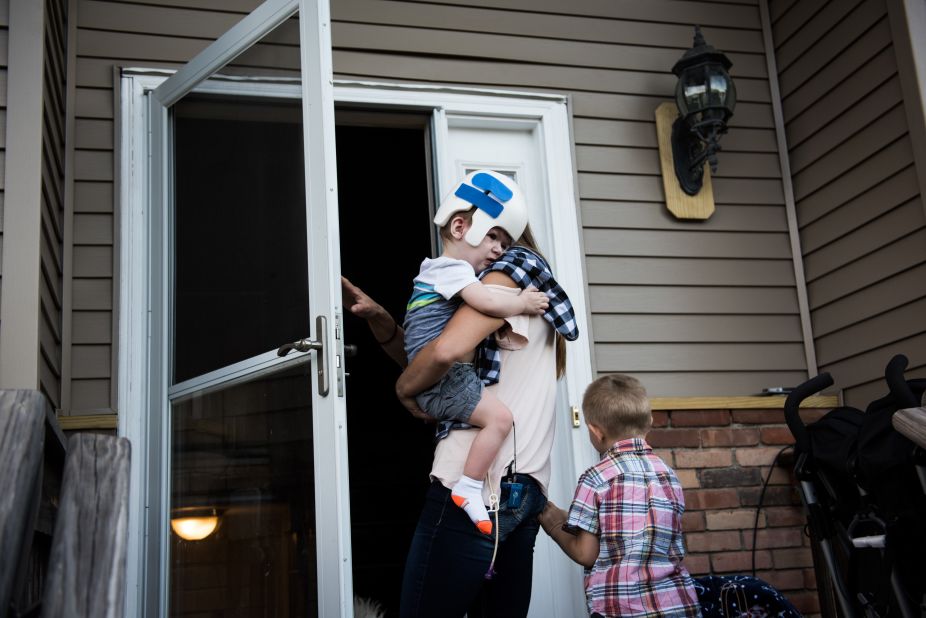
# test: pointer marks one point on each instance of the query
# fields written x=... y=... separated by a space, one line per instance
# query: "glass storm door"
x=254 y=503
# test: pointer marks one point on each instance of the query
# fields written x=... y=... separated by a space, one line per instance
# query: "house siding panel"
x=860 y=212
x=52 y=237
x=4 y=35
x=613 y=58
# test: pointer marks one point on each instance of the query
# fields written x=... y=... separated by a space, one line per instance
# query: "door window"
x=240 y=262
x=242 y=462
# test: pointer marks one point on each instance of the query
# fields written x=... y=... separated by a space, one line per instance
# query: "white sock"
x=467 y=494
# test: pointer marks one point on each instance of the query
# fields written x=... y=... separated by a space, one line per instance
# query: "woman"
x=452 y=569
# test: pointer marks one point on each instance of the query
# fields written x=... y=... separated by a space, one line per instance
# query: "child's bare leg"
x=494 y=420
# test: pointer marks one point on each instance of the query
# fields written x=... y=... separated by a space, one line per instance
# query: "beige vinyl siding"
x=4 y=35
x=707 y=308
x=141 y=33
x=52 y=232
x=859 y=207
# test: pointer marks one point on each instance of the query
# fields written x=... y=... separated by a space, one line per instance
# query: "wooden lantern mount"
x=679 y=203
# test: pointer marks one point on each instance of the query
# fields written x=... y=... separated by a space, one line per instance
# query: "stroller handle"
x=901 y=391
x=793 y=407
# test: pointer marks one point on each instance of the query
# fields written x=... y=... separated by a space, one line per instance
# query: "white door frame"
x=480 y=108
x=143 y=363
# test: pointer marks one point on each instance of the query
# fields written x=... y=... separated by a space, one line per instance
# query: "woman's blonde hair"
x=528 y=241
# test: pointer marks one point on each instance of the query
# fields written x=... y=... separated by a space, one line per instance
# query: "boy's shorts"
x=455 y=396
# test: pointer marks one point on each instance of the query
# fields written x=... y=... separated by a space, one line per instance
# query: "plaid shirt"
x=634 y=503
x=527 y=269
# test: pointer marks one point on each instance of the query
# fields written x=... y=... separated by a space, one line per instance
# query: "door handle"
x=307 y=345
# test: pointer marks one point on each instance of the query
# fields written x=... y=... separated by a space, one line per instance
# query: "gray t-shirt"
x=434 y=300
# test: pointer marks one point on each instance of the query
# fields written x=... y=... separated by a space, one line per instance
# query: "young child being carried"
x=625 y=522
x=478 y=224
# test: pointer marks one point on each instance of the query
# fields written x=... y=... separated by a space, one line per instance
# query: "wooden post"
x=22 y=436
x=86 y=574
x=911 y=422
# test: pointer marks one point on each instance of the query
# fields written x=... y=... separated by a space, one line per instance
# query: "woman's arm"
x=465 y=330
x=583 y=547
x=385 y=329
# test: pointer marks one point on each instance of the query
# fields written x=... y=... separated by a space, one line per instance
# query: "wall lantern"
x=705 y=97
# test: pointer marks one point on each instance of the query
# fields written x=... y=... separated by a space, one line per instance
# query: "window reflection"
x=245 y=454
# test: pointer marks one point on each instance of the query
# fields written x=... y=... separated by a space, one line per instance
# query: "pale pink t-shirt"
x=527 y=385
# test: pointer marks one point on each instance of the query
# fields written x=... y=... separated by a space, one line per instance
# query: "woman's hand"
x=386 y=331
x=410 y=404
x=357 y=302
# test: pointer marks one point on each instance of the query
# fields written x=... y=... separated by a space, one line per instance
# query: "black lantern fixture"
x=705 y=96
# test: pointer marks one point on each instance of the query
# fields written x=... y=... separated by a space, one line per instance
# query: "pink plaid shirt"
x=634 y=503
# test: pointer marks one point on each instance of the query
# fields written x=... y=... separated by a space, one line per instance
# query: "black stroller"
x=863 y=485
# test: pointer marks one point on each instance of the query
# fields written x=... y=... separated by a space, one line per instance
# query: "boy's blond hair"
x=618 y=405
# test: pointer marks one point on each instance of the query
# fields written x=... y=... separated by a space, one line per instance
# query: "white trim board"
x=546 y=114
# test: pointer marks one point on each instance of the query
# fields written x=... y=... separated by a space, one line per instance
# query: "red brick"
x=714 y=541
x=774 y=496
x=665 y=455
x=707 y=499
x=693 y=521
x=739 y=561
x=688 y=478
x=757 y=456
x=806 y=602
x=730 y=477
x=759 y=417
x=810 y=579
x=773 y=538
x=776 y=435
x=699 y=418
x=792 y=579
x=729 y=437
x=733 y=519
x=792 y=558
x=780 y=475
x=673 y=437
x=785 y=516
x=703 y=458
x=660 y=418
x=697 y=564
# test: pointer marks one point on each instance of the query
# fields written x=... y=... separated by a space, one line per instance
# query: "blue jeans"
x=445 y=573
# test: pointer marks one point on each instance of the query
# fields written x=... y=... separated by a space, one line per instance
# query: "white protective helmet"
x=498 y=200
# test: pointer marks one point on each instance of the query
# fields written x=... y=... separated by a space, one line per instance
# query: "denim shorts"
x=455 y=396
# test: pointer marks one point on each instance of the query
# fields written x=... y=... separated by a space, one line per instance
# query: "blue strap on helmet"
x=480 y=199
x=493 y=185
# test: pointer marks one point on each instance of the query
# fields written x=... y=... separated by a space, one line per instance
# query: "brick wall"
x=722 y=458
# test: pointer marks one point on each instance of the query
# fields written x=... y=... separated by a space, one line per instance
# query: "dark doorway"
x=384 y=193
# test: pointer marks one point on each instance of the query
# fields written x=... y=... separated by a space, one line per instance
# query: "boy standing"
x=478 y=224
x=625 y=522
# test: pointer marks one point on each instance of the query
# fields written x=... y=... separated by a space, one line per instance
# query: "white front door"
x=516 y=148
x=245 y=442
x=525 y=135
